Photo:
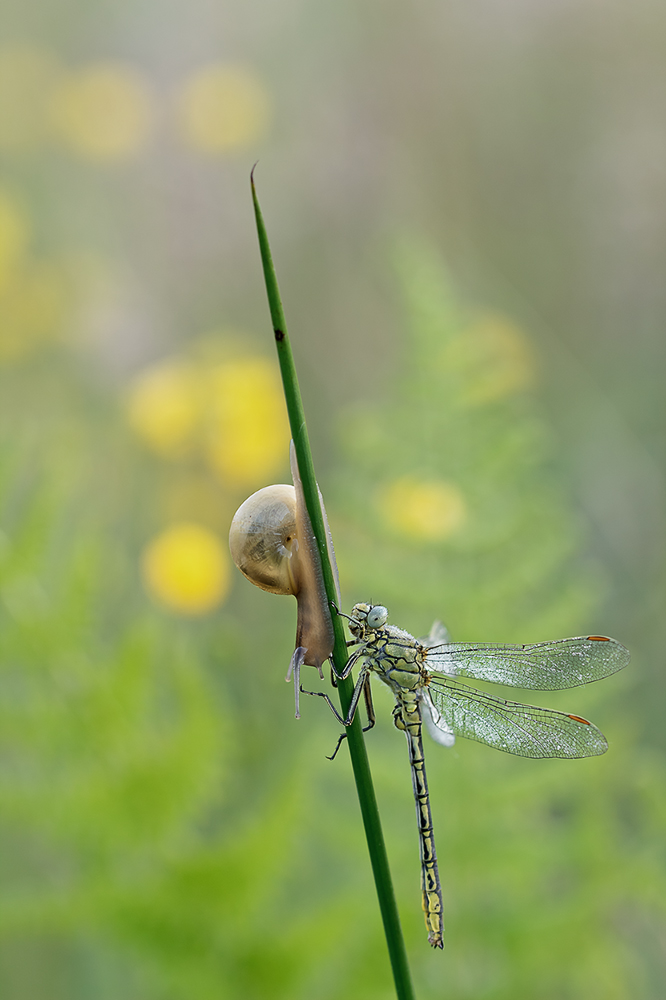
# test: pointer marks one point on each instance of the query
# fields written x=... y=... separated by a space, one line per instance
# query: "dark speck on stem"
x=279 y=335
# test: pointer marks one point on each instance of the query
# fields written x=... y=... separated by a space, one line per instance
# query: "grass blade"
x=357 y=750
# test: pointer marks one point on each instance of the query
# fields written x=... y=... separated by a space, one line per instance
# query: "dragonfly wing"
x=506 y=725
x=439 y=634
x=434 y=723
x=542 y=666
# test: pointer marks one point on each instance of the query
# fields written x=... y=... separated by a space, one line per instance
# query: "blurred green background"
x=466 y=205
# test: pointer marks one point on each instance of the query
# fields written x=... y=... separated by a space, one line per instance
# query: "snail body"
x=272 y=543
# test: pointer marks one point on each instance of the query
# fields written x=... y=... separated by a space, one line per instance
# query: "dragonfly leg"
x=362 y=678
x=341 y=737
x=371 y=717
x=339 y=613
x=348 y=667
x=322 y=694
x=369 y=707
x=335 y=676
x=398 y=721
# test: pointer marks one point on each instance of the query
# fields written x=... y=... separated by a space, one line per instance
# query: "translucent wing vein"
x=507 y=725
x=542 y=666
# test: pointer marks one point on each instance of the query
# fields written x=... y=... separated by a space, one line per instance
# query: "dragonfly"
x=423 y=676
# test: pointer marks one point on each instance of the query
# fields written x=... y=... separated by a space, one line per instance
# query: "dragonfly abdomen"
x=408 y=717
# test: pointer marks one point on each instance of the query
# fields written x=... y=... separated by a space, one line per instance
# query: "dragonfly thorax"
x=396 y=657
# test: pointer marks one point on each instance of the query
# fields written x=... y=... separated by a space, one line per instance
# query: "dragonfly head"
x=365 y=617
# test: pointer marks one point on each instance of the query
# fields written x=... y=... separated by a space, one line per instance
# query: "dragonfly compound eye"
x=377 y=616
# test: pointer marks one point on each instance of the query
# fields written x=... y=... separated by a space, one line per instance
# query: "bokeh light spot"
x=495 y=359
x=28 y=74
x=222 y=108
x=248 y=430
x=186 y=568
x=231 y=413
x=427 y=510
x=103 y=112
x=165 y=407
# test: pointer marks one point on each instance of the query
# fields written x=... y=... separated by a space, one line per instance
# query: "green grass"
x=167 y=830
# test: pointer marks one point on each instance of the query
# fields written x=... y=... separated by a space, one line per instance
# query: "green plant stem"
x=357 y=749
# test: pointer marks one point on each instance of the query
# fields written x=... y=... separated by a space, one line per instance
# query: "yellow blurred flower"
x=495 y=358
x=248 y=429
x=221 y=108
x=425 y=510
x=231 y=412
x=27 y=76
x=165 y=407
x=187 y=569
x=103 y=112
x=14 y=238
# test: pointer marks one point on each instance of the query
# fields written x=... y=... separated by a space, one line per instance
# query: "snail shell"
x=263 y=539
x=272 y=543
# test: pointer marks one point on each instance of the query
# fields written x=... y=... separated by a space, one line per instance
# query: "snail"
x=272 y=543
